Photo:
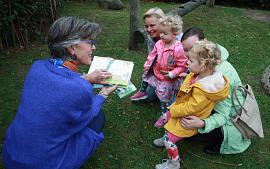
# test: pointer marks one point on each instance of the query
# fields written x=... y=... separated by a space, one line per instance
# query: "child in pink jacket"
x=164 y=64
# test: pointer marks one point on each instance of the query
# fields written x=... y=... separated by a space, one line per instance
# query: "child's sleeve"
x=150 y=59
x=181 y=62
x=196 y=103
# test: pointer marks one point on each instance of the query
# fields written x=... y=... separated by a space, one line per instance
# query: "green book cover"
x=123 y=92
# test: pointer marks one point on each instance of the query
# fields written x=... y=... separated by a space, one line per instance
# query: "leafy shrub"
x=24 y=20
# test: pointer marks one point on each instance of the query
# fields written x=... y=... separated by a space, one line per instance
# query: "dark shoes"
x=212 y=149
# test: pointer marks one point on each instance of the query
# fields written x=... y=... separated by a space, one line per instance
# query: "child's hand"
x=167 y=74
x=183 y=74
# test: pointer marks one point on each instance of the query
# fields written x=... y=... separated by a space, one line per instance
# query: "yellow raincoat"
x=197 y=99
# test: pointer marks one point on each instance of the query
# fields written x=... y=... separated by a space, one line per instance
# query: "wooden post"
x=134 y=22
x=210 y=3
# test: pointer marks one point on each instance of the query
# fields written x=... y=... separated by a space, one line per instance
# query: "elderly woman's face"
x=83 y=52
x=152 y=26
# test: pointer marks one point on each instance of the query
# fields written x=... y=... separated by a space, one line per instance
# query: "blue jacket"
x=50 y=128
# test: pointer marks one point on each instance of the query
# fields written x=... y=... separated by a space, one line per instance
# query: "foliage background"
x=25 y=20
x=129 y=130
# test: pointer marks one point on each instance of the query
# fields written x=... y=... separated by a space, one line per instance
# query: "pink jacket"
x=171 y=59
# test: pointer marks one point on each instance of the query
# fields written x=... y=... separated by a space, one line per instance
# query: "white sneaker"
x=159 y=142
x=168 y=164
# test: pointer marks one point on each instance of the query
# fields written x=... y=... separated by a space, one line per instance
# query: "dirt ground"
x=263 y=16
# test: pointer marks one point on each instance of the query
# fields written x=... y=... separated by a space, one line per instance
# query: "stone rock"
x=266 y=80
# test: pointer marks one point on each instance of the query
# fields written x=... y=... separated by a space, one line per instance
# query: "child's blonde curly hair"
x=207 y=53
x=174 y=21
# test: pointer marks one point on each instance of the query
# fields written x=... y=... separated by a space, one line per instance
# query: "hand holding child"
x=192 y=122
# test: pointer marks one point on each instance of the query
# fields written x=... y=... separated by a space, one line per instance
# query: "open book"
x=121 y=70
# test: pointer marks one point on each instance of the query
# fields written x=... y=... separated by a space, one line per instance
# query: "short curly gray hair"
x=67 y=31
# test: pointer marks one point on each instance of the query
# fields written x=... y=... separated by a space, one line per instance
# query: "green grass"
x=129 y=130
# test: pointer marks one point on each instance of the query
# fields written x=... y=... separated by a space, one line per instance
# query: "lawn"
x=129 y=129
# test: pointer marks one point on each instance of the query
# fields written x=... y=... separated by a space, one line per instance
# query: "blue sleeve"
x=88 y=104
x=97 y=104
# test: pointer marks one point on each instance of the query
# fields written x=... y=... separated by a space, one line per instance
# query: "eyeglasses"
x=90 y=42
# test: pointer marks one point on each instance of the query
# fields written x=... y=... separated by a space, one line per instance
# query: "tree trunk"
x=134 y=22
x=210 y=3
x=187 y=7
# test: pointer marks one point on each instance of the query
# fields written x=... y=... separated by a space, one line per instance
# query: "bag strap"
x=246 y=87
x=234 y=95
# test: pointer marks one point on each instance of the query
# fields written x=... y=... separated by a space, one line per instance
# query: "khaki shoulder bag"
x=247 y=118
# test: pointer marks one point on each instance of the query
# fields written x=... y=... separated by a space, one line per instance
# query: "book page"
x=121 y=70
x=100 y=63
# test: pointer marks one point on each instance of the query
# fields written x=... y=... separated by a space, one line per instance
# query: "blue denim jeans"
x=151 y=94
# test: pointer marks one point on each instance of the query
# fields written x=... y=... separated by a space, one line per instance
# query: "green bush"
x=24 y=20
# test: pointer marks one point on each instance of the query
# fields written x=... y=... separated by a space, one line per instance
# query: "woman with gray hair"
x=59 y=121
